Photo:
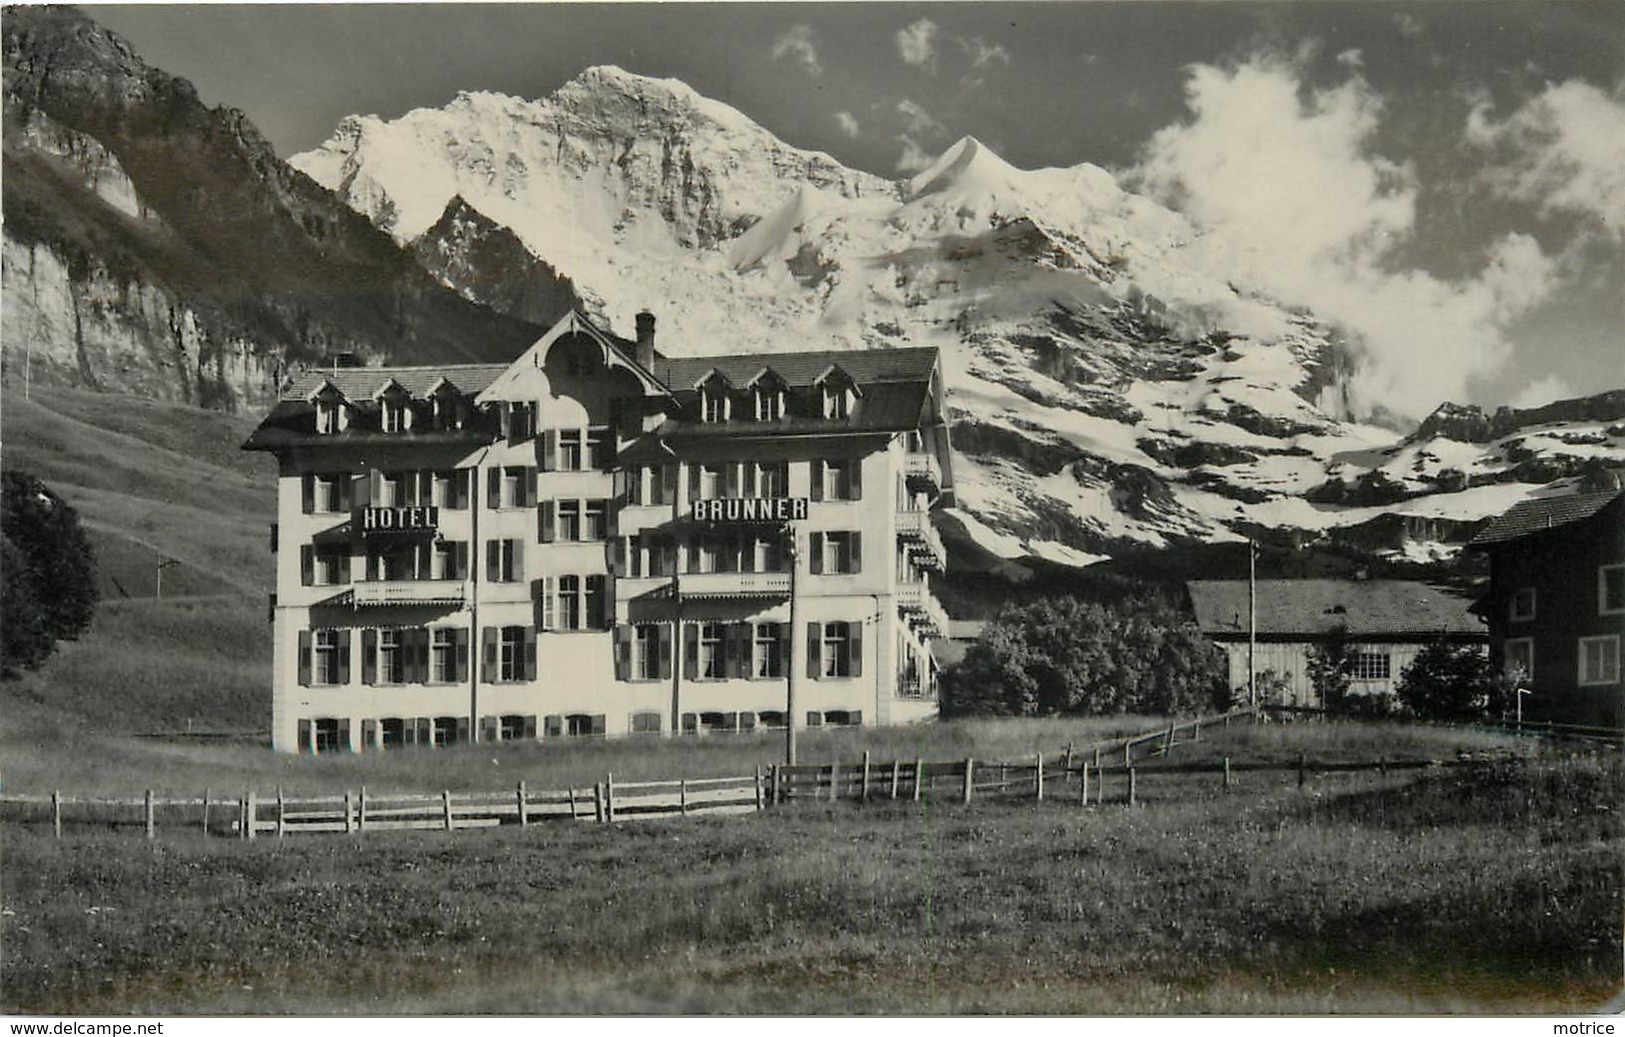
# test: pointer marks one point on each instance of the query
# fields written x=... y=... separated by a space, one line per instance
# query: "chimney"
x=646 y=340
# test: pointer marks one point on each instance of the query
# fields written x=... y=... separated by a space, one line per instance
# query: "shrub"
x=48 y=573
x=1331 y=669
x=1447 y=682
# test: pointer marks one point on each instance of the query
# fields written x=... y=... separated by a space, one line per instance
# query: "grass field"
x=1490 y=891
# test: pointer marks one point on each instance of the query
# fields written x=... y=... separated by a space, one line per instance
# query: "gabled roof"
x=836 y=373
x=867 y=367
x=764 y=376
x=359 y=382
x=1538 y=516
x=712 y=375
x=1310 y=608
x=389 y=385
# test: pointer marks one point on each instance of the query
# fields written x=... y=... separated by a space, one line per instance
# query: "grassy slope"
x=1491 y=891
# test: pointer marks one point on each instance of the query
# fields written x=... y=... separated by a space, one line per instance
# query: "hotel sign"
x=375 y=521
x=751 y=509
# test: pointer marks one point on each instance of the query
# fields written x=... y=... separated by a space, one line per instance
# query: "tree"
x=48 y=572
x=1331 y=669
x=1062 y=656
x=1447 y=682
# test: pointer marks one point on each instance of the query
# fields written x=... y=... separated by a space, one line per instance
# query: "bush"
x=1447 y=682
x=1331 y=670
x=1062 y=656
x=47 y=573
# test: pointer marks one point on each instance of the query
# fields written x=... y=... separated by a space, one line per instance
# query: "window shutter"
x=817 y=480
x=493 y=488
x=462 y=730
x=815 y=553
x=857 y=553
x=459 y=557
x=854 y=477
x=598 y=723
x=460 y=479
x=815 y=718
x=854 y=648
x=854 y=717
x=553 y=726
x=530 y=653
x=369 y=734
x=784 y=649
x=375 y=486
x=369 y=656
x=425 y=728
x=344 y=656
x=488 y=655
x=489 y=729
x=815 y=669
x=730 y=651
x=348 y=490
x=307 y=565
x=308 y=493
x=623 y=653
x=550 y=450
x=304 y=658
x=493 y=558
x=461 y=641
x=306 y=743
x=618 y=561
x=530 y=728
x=668 y=484
x=419 y=674
x=620 y=482
x=549 y=606
x=527 y=488
x=691 y=651
x=545 y=521
x=665 y=653
x=518 y=561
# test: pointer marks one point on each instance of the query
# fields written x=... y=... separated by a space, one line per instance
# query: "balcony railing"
x=923 y=472
x=734 y=585
x=924 y=542
x=922 y=610
x=408 y=592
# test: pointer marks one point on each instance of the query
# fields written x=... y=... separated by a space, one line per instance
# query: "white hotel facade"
x=597 y=540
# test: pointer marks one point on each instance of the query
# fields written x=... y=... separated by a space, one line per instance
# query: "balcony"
x=634 y=518
x=924 y=543
x=921 y=609
x=734 y=585
x=407 y=592
x=923 y=473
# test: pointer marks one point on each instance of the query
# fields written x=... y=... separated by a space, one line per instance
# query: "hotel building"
x=598 y=540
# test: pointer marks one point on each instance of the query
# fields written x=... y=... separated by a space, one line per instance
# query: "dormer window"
x=393 y=415
x=769 y=404
x=329 y=417
x=520 y=421
x=714 y=404
x=445 y=409
x=837 y=402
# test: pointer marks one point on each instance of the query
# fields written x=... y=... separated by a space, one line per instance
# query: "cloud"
x=1351 y=58
x=982 y=53
x=1297 y=202
x=1544 y=391
x=847 y=122
x=1563 y=150
x=920 y=128
x=917 y=44
x=800 y=44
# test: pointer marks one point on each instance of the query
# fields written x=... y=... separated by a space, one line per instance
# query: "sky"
x=1445 y=180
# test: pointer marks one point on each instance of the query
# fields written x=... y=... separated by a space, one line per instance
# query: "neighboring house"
x=595 y=540
x=1387 y=622
x=962 y=633
x=1556 y=604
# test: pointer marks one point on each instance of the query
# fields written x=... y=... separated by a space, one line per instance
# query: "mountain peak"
x=967 y=165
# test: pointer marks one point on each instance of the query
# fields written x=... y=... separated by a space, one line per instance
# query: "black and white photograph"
x=1046 y=509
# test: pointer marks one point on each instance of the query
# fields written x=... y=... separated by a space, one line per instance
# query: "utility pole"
x=1252 y=622
x=790 y=662
x=158 y=572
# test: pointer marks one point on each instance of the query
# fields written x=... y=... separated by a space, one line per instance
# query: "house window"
x=445 y=412
x=330 y=565
x=841 y=552
x=771 y=718
x=569 y=610
x=329 y=646
x=708 y=481
x=443 y=655
x=568 y=519
x=646 y=653
x=393 y=415
x=391 y=658
x=1599 y=660
x=392 y=732
x=593 y=602
x=391 y=490
x=1370 y=666
x=646 y=723
x=598 y=448
x=502 y=557
x=1523 y=605
x=443 y=488
x=1611 y=589
x=713 y=660
x=397 y=562
x=773 y=480
x=511 y=727
x=648 y=486
x=511 y=654
x=1520 y=657
x=513 y=487
x=835 y=652
x=570 y=449
x=328 y=422
x=328 y=738
x=767 y=659
x=594 y=525
x=837 y=403
x=769 y=405
x=839 y=480
x=326 y=492
x=713 y=405
x=521 y=421
x=582 y=725
x=450 y=560
x=443 y=732
x=769 y=554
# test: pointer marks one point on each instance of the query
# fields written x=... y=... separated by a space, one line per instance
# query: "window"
x=570 y=449
x=392 y=731
x=1370 y=666
x=447 y=415
x=329 y=565
x=443 y=655
x=771 y=718
x=444 y=731
x=521 y=423
x=713 y=405
x=393 y=414
x=511 y=654
x=834 y=651
x=1522 y=607
x=569 y=610
x=646 y=723
x=594 y=522
x=1520 y=657
x=583 y=725
x=837 y=403
x=713 y=651
x=331 y=735
x=1611 y=589
x=502 y=561
x=599 y=446
x=708 y=481
x=513 y=727
x=837 y=480
x=450 y=560
x=567 y=520
x=329 y=419
x=1599 y=660
x=650 y=485
x=769 y=553
x=327 y=492
x=646 y=653
x=391 y=658
x=769 y=404
x=767 y=658
x=773 y=480
x=514 y=480
x=593 y=602
x=837 y=551
x=331 y=646
x=443 y=487
x=395 y=489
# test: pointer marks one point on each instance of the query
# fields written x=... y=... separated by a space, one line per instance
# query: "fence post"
x=609 y=798
x=251 y=810
x=519 y=799
x=445 y=802
x=1382 y=766
x=1301 y=775
x=1038 y=775
x=1083 y=798
x=1127 y=759
x=1066 y=760
x=896 y=775
x=1168 y=741
x=573 y=803
x=56 y=812
x=1227 y=772
x=1131 y=786
x=349 y=812
x=834 y=779
x=598 y=801
x=1196 y=730
x=863 y=789
x=759 y=796
x=205 y=811
x=361 y=810
x=682 y=796
x=919 y=768
x=281 y=814
x=1227 y=720
x=778 y=785
x=1097 y=757
x=970 y=770
x=152 y=825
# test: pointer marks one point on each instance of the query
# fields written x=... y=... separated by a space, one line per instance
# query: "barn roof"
x=1538 y=516
x=1310 y=608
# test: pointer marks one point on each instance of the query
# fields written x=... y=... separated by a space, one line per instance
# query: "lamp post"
x=790 y=663
x=158 y=577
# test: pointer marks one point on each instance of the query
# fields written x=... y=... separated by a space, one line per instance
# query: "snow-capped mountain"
x=1109 y=381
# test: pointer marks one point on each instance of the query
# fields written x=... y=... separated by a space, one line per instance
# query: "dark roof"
x=886 y=407
x=868 y=366
x=359 y=383
x=1538 y=516
x=1308 y=608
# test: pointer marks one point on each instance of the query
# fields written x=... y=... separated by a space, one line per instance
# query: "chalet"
x=1385 y=623
x=1556 y=603
x=599 y=540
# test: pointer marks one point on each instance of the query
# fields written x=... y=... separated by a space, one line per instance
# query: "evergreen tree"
x=48 y=572
x=1447 y=682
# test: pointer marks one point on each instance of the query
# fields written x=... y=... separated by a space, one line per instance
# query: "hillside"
x=157 y=246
